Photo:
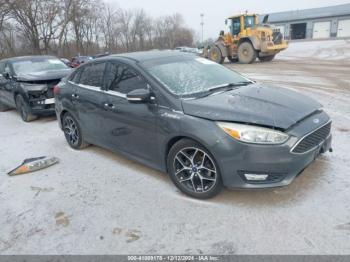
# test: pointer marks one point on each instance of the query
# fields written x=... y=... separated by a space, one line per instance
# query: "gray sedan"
x=203 y=124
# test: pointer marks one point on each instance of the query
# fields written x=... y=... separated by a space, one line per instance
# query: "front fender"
x=254 y=40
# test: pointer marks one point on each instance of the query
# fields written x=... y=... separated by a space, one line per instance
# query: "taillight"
x=56 y=90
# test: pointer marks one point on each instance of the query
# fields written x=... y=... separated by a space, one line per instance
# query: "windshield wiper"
x=229 y=86
x=223 y=87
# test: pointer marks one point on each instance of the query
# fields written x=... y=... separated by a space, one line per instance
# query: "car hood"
x=256 y=104
x=44 y=75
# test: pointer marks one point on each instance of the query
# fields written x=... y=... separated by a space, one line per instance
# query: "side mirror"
x=226 y=21
x=139 y=96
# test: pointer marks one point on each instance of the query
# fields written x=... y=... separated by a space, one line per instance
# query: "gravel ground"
x=96 y=202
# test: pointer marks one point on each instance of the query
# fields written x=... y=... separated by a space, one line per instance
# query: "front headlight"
x=253 y=134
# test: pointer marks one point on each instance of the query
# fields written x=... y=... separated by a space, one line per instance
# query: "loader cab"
x=238 y=24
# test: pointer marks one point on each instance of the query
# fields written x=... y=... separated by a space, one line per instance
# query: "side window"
x=111 y=75
x=126 y=79
x=236 y=26
x=92 y=75
x=75 y=76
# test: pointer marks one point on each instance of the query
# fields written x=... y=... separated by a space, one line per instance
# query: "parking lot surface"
x=97 y=202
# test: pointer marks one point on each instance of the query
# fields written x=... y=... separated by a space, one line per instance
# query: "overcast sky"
x=215 y=11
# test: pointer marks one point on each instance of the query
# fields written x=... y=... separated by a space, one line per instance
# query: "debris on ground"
x=33 y=164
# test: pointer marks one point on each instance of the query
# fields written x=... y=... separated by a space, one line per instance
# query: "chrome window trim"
x=94 y=88
x=134 y=99
x=301 y=139
x=98 y=89
x=115 y=93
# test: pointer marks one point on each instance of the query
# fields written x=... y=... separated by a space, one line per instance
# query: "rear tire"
x=194 y=170
x=216 y=55
x=246 y=53
x=23 y=110
x=72 y=132
x=266 y=58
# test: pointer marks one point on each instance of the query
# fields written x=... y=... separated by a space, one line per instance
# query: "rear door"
x=131 y=127
x=88 y=97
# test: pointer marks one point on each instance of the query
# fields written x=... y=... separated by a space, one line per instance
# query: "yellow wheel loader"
x=246 y=41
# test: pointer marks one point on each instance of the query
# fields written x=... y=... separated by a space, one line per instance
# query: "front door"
x=131 y=127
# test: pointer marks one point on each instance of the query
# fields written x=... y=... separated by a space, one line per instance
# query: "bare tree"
x=70 y=27
x=3 y=13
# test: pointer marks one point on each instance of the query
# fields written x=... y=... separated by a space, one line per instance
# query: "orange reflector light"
x=231 y=132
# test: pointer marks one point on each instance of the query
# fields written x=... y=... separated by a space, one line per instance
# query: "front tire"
x=216 y=55
x=24 y=110
x=72 y=132
x=193 y=170
x=246 y=53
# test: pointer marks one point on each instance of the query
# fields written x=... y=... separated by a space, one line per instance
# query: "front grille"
x=312 y=140
x=277 y=37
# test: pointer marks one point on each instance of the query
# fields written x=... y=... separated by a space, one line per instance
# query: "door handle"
x=109 y=106
x=75 y=96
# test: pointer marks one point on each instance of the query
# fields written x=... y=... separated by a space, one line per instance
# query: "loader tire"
x=246 y=53
x=267 y=58
x=216 y=55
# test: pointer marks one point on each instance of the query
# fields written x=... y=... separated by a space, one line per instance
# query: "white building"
x=315 y=23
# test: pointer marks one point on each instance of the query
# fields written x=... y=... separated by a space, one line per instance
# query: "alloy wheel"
x=71 y=130
x=195 y=170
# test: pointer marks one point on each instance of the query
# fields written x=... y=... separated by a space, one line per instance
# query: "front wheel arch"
x=61 y=117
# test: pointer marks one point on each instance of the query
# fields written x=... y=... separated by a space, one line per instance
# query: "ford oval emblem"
x=316 y=120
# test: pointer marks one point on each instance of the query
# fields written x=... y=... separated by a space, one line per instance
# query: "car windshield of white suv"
x=192 y=76
x=37 y=65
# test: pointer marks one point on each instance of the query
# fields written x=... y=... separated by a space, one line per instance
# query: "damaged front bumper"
x=247 y=166
x=42 y=106
x=41 y=100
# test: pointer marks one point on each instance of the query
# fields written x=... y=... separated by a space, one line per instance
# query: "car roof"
x=24 y=58
x=147 y=55
x=236 y=16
